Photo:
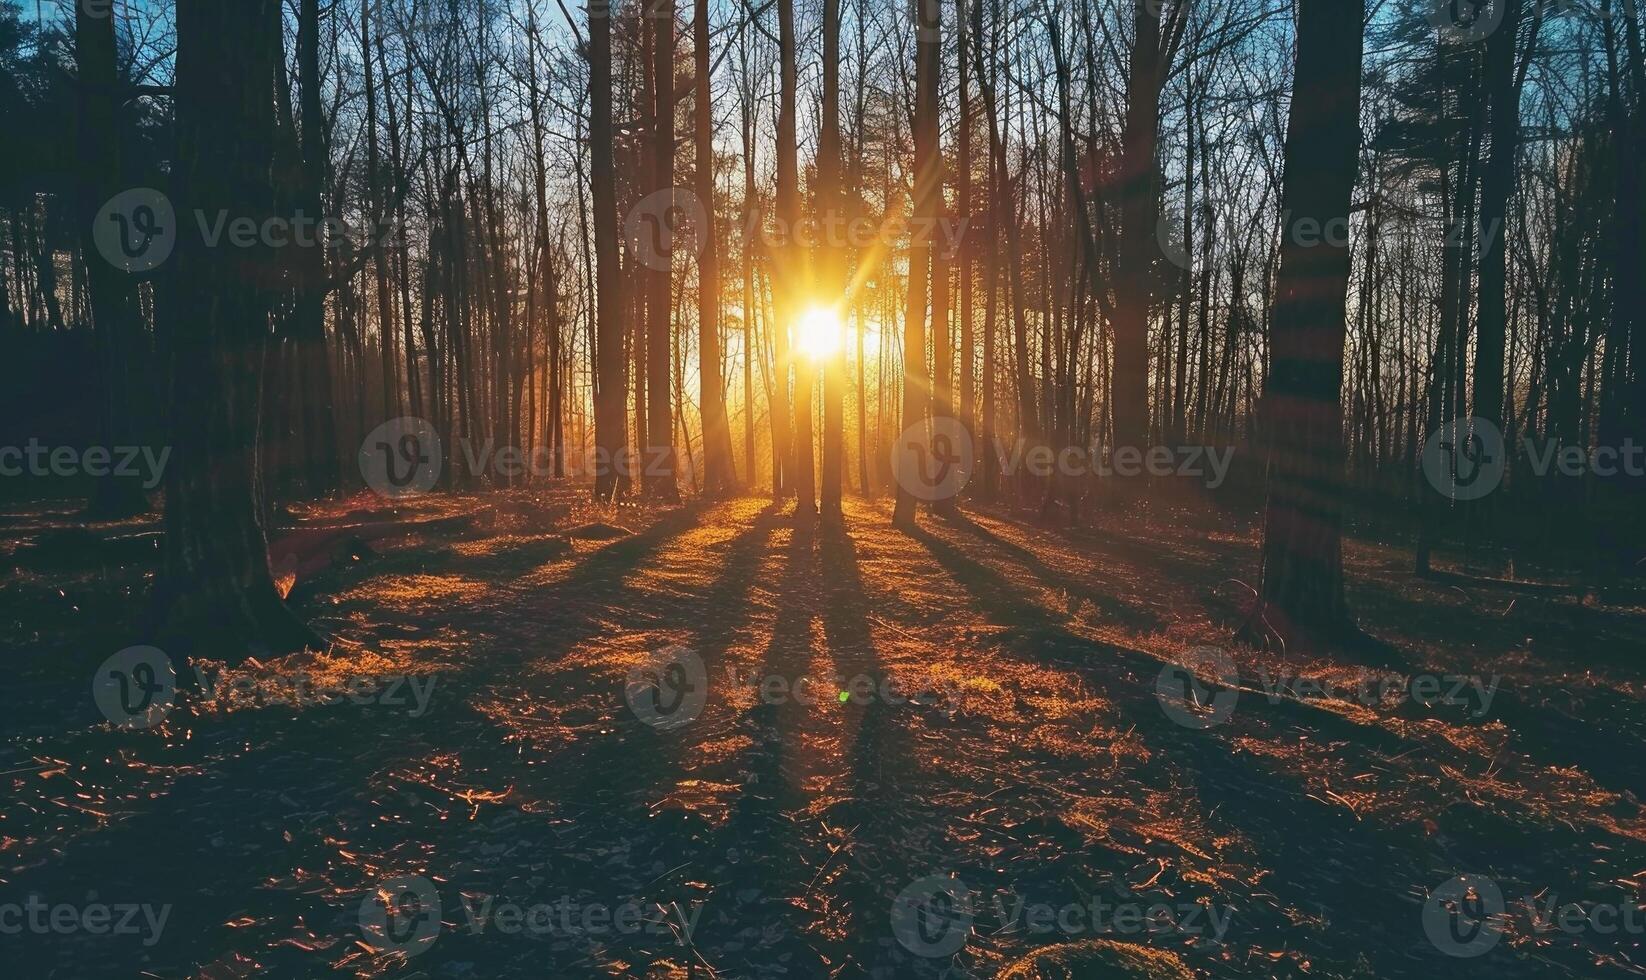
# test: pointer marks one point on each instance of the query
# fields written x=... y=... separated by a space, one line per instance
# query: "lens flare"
x=819 y=332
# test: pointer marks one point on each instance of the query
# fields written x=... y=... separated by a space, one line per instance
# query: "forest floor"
x=1003 y=726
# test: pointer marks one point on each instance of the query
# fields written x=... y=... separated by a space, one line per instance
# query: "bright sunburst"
x=818 y=333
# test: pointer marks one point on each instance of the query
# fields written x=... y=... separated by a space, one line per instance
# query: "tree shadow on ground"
x=894 y=835
x=1364 y=875
x=1107 y=605
x=763 y=830
x=279 y=791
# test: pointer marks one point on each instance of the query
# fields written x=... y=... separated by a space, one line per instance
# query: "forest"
x=823 y=488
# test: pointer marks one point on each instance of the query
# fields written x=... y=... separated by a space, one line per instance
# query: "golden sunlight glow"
x=819 y=332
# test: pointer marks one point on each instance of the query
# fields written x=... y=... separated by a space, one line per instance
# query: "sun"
x=818 y=332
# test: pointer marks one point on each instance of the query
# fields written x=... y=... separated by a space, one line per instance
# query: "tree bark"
x=659 y=454
x=318 y=471
x=215 y=595
x=832 y=265
x=1129 y=391
x=927 y=188
x=1302 y=590
x=112 y=291
x=789 y=275
x=1496 y=186
x=718 y=475
x=610 y=417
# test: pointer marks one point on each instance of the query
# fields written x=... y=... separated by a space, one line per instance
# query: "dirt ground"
x=994 y=754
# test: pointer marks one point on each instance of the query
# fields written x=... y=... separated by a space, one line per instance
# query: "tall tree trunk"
x=789 y=276
x=1180 y=400
x=402 y=255
x=927 y=189
x=718 y=475
x=610 y=421
x=942 y=401
x=1129 y=391
x=215 y=587
x=545 y=260
x=318 y=471
x=963 y=199
x=1003 y=220
x=751 y=207
x=113 y=292
x=1495 y=189
x=1302 y=592
x=659 y=455
x=832 y=263
x=376 y=198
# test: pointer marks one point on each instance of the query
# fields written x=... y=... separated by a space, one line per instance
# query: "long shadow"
x=616 y=831
x=1482 y=837
x=284 y=783
x=1033 y=631
x=893 y=833
x=1541 y=734
x=1108 y=605
x=645 y=754
x=763 y=830
x=1362 y=876
x=1357 y=647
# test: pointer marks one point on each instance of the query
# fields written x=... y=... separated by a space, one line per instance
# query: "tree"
x=215 y=594
x=659 y=455
x=1129 y=387
x=113 y=293
x=611 y=421
x=718 y=476
x=830 y=203
x=788 y=273
x=1302 y=402
x=312 y=428
x=928 y=188
x=1503 y=93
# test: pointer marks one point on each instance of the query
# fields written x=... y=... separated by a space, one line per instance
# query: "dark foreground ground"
x=902 y=756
